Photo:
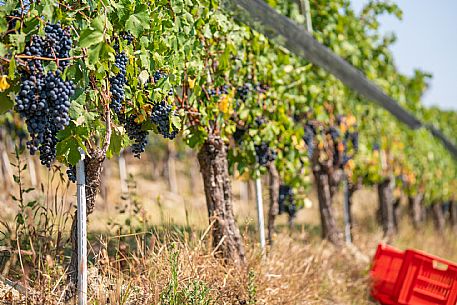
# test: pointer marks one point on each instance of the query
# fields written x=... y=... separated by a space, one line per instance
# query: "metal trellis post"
x=82 y=230
x=261 y=222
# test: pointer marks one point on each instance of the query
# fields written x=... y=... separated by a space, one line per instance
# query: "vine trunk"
x=226 y=236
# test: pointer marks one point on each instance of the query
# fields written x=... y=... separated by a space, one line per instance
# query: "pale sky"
x=427 y=39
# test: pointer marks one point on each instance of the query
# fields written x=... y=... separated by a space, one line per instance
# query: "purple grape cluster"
x=224 y=89
x=57 y=43
x=43 y=99
x=239 y=134
x=127 y=36
x=264 y=154
x=118 y=82
x=135 y=133
x=243 y=92
x=286 y=200
x=308 y=137
x=158 y=75
x=161 y=113
x=71 y=173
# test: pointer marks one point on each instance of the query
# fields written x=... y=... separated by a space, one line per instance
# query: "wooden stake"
x=123 y=173
x=347 y=224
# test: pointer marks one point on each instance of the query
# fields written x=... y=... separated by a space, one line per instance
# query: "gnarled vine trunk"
x=453 y=215
x=416 y=210
x=397 y=213
x=328 y=224
x=274 y=196
x=386 y=207
x=93 y=167
x=214 y=168
x=335 y=177
x=438 y=217
x=351 y=191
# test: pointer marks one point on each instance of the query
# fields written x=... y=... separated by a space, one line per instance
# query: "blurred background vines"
x=178 y=108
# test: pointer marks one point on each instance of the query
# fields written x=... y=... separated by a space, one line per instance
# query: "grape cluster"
x=224 y=89
x=239 y=134
x=334 y=133
x=118 y=82
x=243 y=91
x=260 y=121
x=246 y=89
x=57 y=44
x=158 y=75
x=354 y=137
x=341 y=156
x=160 y=116
x=286 y=200
x=43 y=99
x=264 y=154
x=308 y=137
x=135 y=133
x=71 y=173
x=13 y=19
x=127 y=36
x=261 y=88
x=60 y=43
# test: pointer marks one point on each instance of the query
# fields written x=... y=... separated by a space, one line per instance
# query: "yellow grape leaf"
x=191 y=83
x=350 y=164
x=224 y=105
x=147 y=108
x=343 y=128
x=141 y=118
x=3 y=83
x=351 y=120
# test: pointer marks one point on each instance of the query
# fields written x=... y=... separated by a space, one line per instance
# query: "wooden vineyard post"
x=260 y=218
x=346 y=211
x=82 y=230
x=123 y=173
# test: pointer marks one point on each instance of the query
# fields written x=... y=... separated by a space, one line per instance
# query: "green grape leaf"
x=6 y=103
x=90 y=37
x=138 y=22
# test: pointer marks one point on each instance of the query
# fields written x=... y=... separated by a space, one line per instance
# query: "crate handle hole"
x=439 y=266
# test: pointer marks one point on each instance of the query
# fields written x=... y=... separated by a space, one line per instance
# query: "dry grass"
x=173 y=264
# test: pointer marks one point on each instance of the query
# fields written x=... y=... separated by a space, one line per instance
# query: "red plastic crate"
x=426 y=280
x=387 y=263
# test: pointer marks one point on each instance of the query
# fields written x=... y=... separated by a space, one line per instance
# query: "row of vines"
x=101 y=75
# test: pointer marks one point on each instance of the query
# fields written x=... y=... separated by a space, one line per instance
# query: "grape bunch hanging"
x=342 y=135
x=135 y=133
x=118 y=82
x=264 y=154
x=286 y=200
x=43 y=99
x=308 y=137
x=161 y=114
x=243 y=92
